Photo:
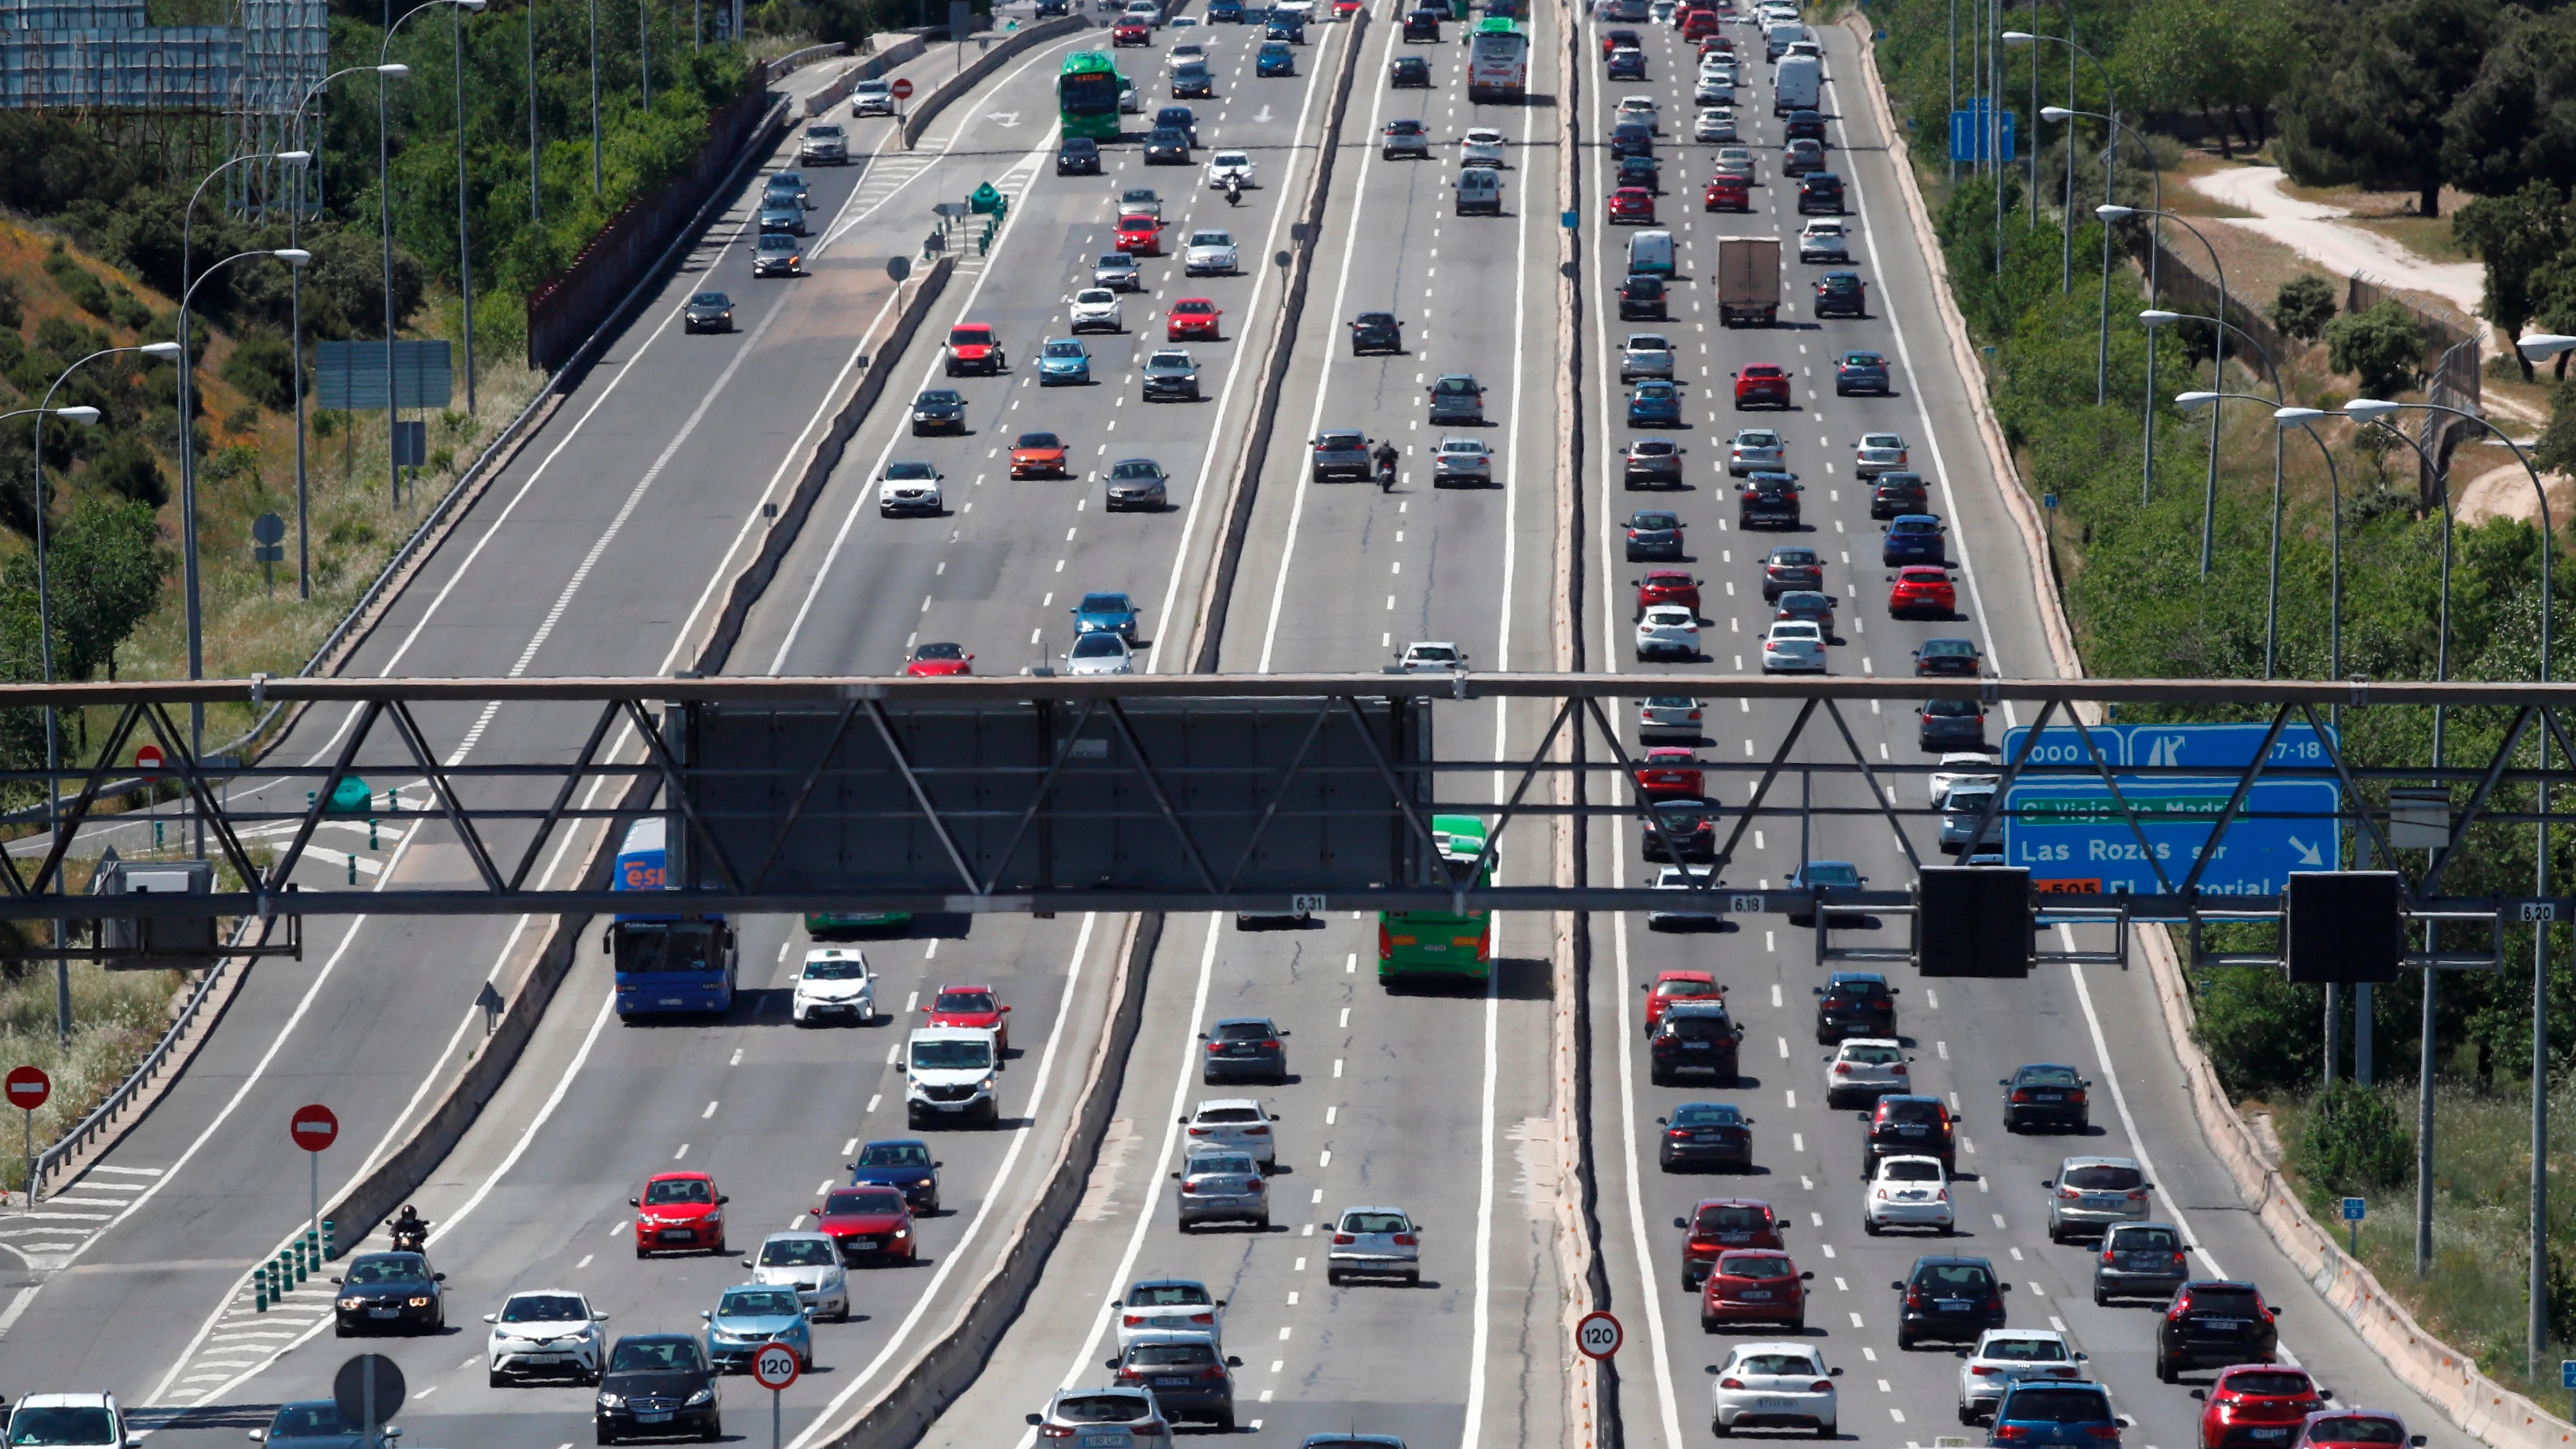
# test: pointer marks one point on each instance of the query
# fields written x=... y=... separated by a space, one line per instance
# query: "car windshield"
x=970 y=336
x=1830 y=872
x=2101 y=1177
x=940 y=397
x=62 y=1424
x=677 y=1191
x=2024 y=1350
x=756 y=1303
x=1899 y=1170
x=296 y=1421
x=1169 y=361
x=1136 y=468
x=1167 y=1295
x=1707 y=1114
x=1731 y=1218
x=1104 y=603
x=798 y=1253
x=544 y=1308
x=777 y=242
x=1777 y=1363
x=2270 y=1383
x=656 y=1355
x=2224 y=1299
x=864 y=1201
x=1038 y=440
x=1754 y=1265
x=1211 y=239
x=1100 y=1408
x=895 y=1154
x=1954 y=1278
x=1193 y=306
x=1238 y=158
x=964 y=1001
x=915 y=472
x=954 y=1055
x=388 y=1268
x=1064 y=349
x=2357 y=1430
x=1172 y=1355
x=851 y=968
x=2145 y=1240
x=1875 y=1056
x=1098 y=645
x=1375 y=1223
x=710 y=299
x=2056 y=1406
x=1116 y=262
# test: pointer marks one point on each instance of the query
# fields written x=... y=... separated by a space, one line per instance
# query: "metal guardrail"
x=796 y=60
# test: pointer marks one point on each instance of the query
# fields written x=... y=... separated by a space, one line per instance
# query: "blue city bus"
x=666 y=965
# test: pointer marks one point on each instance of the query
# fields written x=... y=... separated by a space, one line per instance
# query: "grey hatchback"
x=2092 y=1193
x=1456 y=398
x=1221 y=1185
x=1244 y=1046
x=2139 y=1260
x=1188 y=1378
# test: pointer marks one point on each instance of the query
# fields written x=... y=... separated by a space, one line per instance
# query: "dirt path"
x=2320 y=233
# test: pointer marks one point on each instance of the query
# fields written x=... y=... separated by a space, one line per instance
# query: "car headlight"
x=702 y=1396
x=352 y=1305
x=421 y=1302
x=611 y=1401
x=902 y=1232
x=986 y=1085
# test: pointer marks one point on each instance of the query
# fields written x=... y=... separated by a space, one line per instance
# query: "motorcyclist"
x=411 y=1230
x=1233 y=188
x=1384 y=456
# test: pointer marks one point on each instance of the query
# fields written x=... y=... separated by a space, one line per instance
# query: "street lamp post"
x=2217 y=361
x=2102 y=346
x=594 y=98
x=2156 y=320
x=385 y=219
x=464 y=238
x=2062 y=113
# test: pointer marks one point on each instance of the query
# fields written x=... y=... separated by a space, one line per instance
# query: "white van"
x=1651 y=252
x=948 y=1076
x=1799 y=85
x=1480 y=188
x=1780 y=37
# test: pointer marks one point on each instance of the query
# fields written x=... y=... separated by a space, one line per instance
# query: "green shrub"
x=12 y=312
x=2259 y=1030
x=2380 y=346
x=2352 y=1141
x=2304 y=307
x=124 y=465
x=263 y=368
x=78 y=283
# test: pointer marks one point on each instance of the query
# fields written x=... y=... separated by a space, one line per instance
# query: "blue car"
x=1224 y=12
x=904 y=1164
x=1275 y=58
x=1286 y=27
x=1105 y=613
x=1826 y=878
x=1063 y=359
x=1655 y=404
x=2056 y=1411
x=1179 y=118
x=750 y=1317
x=1860 y=372
x=1914 y=538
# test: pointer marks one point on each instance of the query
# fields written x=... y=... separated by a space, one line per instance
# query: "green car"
x=818 y=922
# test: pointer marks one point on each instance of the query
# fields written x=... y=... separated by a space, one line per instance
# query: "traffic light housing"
x=2342 y=927
x=1973 y=921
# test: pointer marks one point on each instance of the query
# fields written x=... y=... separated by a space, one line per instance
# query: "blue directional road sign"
x=2353 y=1208
x=2075 y=839
x=2567 y=1373
x=1971 y=138
x=2149 y=746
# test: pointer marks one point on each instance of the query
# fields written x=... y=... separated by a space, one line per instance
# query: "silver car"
x=1114 y=1418
x=1755 y=450
x=2089 y=1194
x=824 y=144
x=1220 y=1185
x=1374 y=1241
x=1117 y=271
x=1960 y=811
x=1135 y=483
x=1668 y=714
x=1878 y=453
x=1236 y=1123
x=872 y=98
x=1169 y=1305
x=1462 y=460
x=1648 y=354
x=809 y=1262
x=1679 y=879
x=1100 y=652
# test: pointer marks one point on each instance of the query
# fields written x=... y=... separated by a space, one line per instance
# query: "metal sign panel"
x=350 y=376
x=2072 y=836
x=1970 y=137
x=2188 y=746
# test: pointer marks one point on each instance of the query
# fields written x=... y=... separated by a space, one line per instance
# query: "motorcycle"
x=1385 y=474
x=411 y=1237
x=1234 y=191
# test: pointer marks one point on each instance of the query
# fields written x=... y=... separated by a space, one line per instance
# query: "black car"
x=1167 y=146
x=1688 y=825
x=1908 y=1127
x=1641 y=297
x=1951 y=724
x=1706 y=1134
x=312 y=1424
x=1244 y=1046
x=1767 y=500
x=1077 y=156
x=2139 y=1260
x=1820 y=191
x=1632 y=138
x=708 y=312
x=1948 y=656
x=1804 y=126
x=1854 y=1003
x=1895 y=495
x=1950 y=1299
x=1189 y=1380
x=1628 y=65
x=2213 y=1322
x=1409 y=70
x=1181 y=119
x=1694 y=1036
x=1376 y=332
x=1423 y=24
x=1789 y=569
x=1640 y=169
x=389 y=1291
x=1840 y=294
x=938 y=409
x=2044 y=1094
x=1654 y=534
x=658 y=1384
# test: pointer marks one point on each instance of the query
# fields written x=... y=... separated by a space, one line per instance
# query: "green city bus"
x=1086 y=95
x=1441 y=943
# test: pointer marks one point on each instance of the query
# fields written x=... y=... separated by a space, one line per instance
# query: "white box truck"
x=1748 y=280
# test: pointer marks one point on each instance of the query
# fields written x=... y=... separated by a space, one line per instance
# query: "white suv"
x=1238 y=1123
x=82 y=1420
x=835 y=981
x=544 y=1330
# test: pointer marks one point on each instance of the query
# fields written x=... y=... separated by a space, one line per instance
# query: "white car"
x=1794 y=646
x=1961 y=767
x=1462 y=460
x=809 y=1262
x=1237 y=164
x=1668 y=714
x=1755 y=450
x=1169 y=1305
x=1095 y=309
x=82 y=1419
x=1868 y=1067
x=1680 y=878
x=1483 y=147
x=1234 y=1122
x=1373 y=1242
x=1668 y=629
x=1130 y=103
x=1774 y=1385
x=1714 y=123
x=1106 y=1418
x=1149 y=11
x=2005 y=1355
x=1824 y=240
x=1638 y=108
x=835 y=981
x=1878 y=453
x=1140 y=201
x=1100 y=652
x=1430 y=657
x=542 y=1330
x=1188 y=50
x=1908 y=1192
x=1210 y=254
x=1715 y=87
x=872 y=98
x=910 y=487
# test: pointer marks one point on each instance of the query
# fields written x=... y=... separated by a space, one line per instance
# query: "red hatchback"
x=1192 y=318
x=1131 y=32
x=1715 y=45
x=679 y=1212
x=1755 y=1287
x=1719 y=1224
x=936 y=660
x=1672 y=773
x=1674 y=986
x=2256 y=1403
x=868 y=1223
x=1922 y=589
x=1762 y=382
x=974 y=1006
x=1727 y=191
x=1633 y=203
x=2355 y=1429
x=1140 y=236
x=1667 y=586
x=1699 y=24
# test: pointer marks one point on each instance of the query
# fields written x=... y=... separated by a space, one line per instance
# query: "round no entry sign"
x=148 y=760
x=29 y=1087
x=902 y=89
x=774 y=1367
x=314 y=1127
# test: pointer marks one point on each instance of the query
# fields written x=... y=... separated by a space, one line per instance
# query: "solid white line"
x=2129 y=1124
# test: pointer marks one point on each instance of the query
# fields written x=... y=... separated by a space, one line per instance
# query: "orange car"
x=1037 y=455
x=1193 y=318
x=1140 y=235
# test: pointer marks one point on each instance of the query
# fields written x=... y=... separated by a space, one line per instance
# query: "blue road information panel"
x=2075 y=840
x=2353 y=1208
x=1971 y=137
x=2145 y=746
x=2567 y=1373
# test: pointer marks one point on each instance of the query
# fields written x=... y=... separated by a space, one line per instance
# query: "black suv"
x=1804 y=126
x=2212 y=1323
x=1694 y=1036
x=1409 y=70
x=1820 y=191
x=1908 y=1127
x=2139 y=1260
x=1951 y=1299
x=1641 y=297
x=1854 y=1003
x=1767 y=500
x=1077 y=155
x=1381 y=332
x=2044 y=1094
x=1423 y=24
x=1840 y=294
x=1894 y=495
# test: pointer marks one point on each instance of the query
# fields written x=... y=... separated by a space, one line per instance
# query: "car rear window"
x=1242 y=1030
x=2267 y=1382
x=2057 y=1406
x=1754 y=1265
x=1683 y=986
x=1707 y=1114
x=1873 y=1055
x=1796 y=558
x=2224 y=1301
x=1169 y=1355
x=1699 y=1026
x=1908 y=1109
x=2145 y=1240
x=1237 y=1163
x=1167 y=1295
x=1732 y=1218
x=2101 y=1178
x=1776 y=1363
x=1339 y=442
x=1899 y=1170
x=2357 y=1430
x=1854 y=986
x=1374 y=1223
x=2024 y=1350
x=1229 y=1114
x=1100 y=1408
x=1948 y=1278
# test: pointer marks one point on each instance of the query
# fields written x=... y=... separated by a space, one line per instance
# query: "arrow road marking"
x=2308 y=854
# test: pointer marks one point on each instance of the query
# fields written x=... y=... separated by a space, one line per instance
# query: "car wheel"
x=1904 y=1340
x=1690 y=1284
x=1798 y=1325
x=1715 y=1425
x=2101 y=1299
x=642 y=1252
x=714 y=1430
x=2056 y=1234
x=2164 y=1370
x=342 y=1330
x=1333 y=1276
x=500 y=1380
x=1827 y=1430
x=1870 y=1226
x=607 y=1438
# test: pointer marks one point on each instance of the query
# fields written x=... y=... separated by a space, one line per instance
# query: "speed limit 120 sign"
x=1597 y=1335
x=774 y=1366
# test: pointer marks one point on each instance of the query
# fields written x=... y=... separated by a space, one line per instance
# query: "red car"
x=1699 y=24
x=679 y=1211
x=1922 y=589
x=1192 y=318
x=1140 y=236
x=975 y=1006
x=868 y=1222
x=1715 y=45
x=1727 y=191
x=1718 y=1224
x=1667 y=586
x=1345 y=9
x=933 y=660
x=1762 y=382
x=1038 y=455
x=2256 y=1403
x=972 y=347
x=2355 y=1429
x=1131 y=32
x=1674 y=986
x=1672 y=773
x=1633 y=203
x=1756 y=1287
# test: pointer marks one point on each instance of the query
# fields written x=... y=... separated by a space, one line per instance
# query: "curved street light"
x=385 y=220
x=2066 y=282
x=2110 y=159
x=2217 y=361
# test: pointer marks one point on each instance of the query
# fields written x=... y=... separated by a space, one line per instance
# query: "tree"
x=2516 y=123
x=125 y=467
x=2380 y=346
x=2376 y=113
x=104 y=572
x=263 y=367
x=2305 y=305
x=2515 y=236
x=2222 y=61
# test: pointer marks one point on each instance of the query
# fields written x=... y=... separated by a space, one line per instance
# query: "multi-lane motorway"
x=599 y=550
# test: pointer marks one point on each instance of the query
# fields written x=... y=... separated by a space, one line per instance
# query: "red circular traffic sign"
x=29 y=1087
x=774 y=1366
x=1597 y=1335
x=314 y=1127
x=902 y=89
x=148 y=759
